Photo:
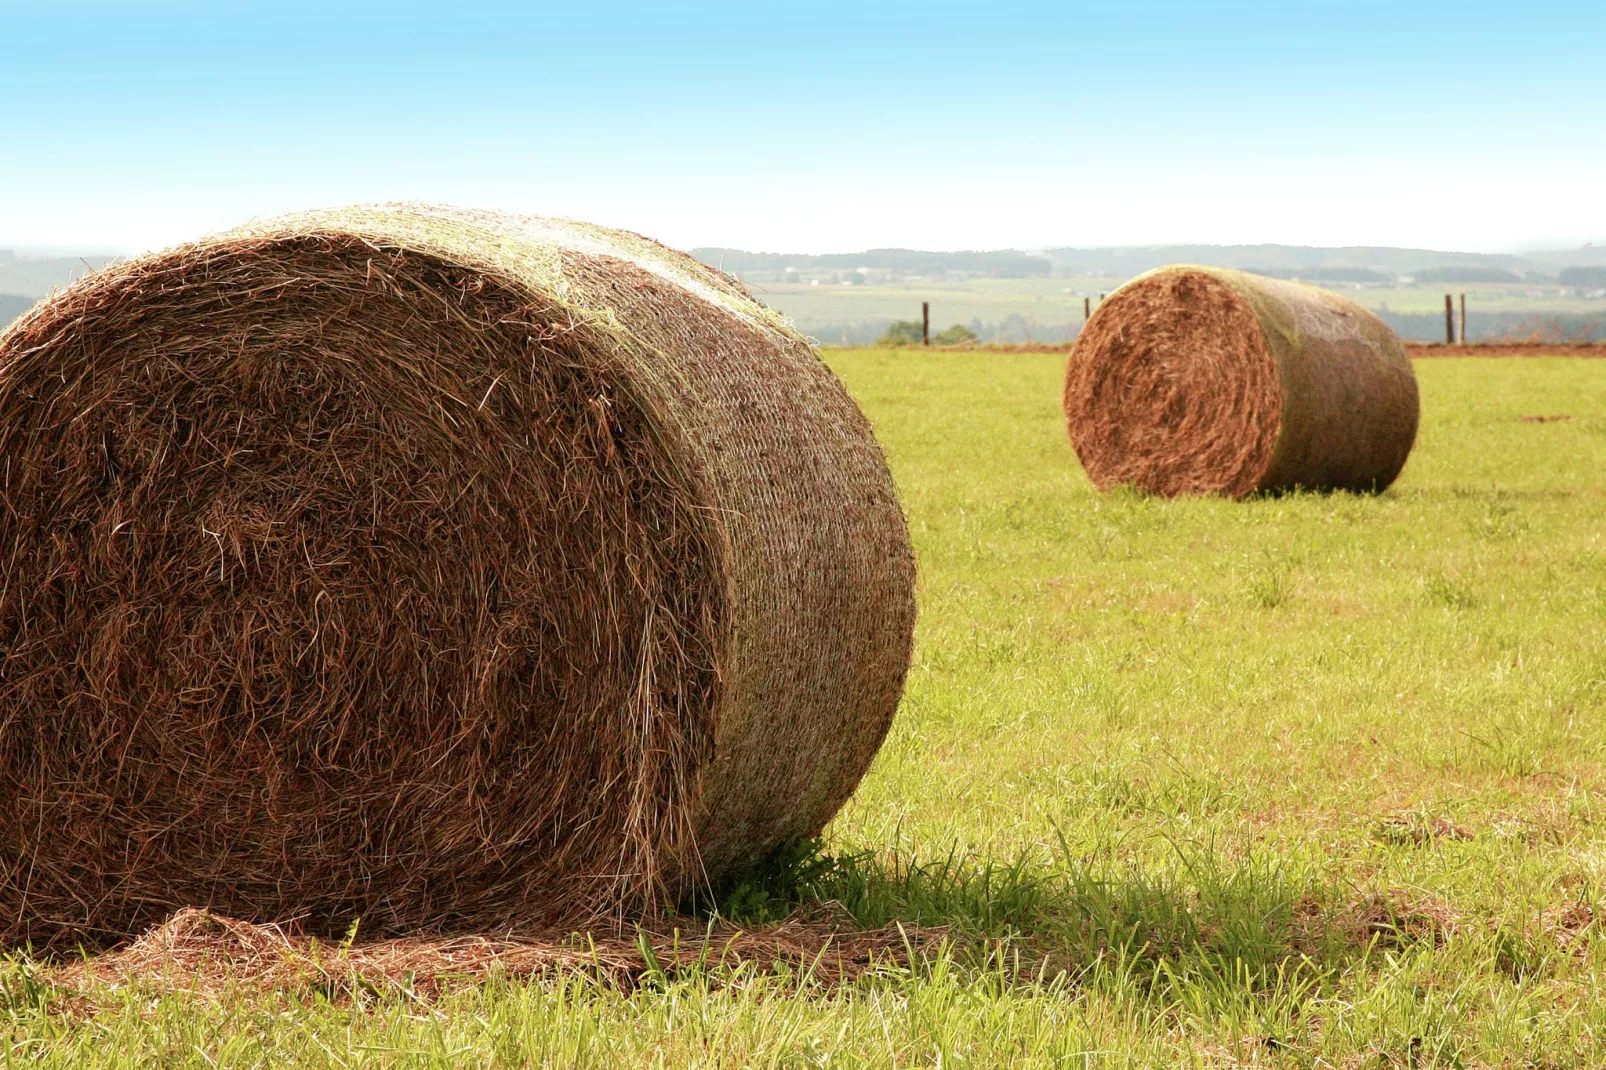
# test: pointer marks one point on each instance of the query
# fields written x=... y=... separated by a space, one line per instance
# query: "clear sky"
x=818 y=125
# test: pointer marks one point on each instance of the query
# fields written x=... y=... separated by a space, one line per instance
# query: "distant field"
x=1024 y=310
x=1050 y=309
x=1313 y=781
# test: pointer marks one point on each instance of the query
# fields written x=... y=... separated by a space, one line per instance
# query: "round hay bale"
x=439 y=569
x=1195 y=380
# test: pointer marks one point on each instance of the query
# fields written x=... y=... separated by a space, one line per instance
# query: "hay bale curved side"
x=445 y=569
x=1196 y=380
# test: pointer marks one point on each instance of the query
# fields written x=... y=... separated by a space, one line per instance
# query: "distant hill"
x=1306 y=261
x=1591 y=255
x=1331 y=274
x=12 y=306
x=25 y=279
x=37 y=276
x=1360 y=263
x=850 y=309
x=999 y=264
x=1464 y=273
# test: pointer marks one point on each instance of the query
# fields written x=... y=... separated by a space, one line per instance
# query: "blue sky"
x=818 y=126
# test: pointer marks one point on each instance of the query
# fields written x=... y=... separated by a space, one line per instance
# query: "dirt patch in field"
x=1570 y=927
x=1389 y=918
x=1413 y=828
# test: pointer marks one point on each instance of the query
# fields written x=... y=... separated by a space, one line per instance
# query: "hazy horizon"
x=104 y=250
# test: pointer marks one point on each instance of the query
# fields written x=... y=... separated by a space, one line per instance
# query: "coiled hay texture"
x=1192 y=380
x=444 y=570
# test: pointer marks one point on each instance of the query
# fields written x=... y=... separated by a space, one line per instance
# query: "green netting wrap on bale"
x=432 y=568
x=1194 y=380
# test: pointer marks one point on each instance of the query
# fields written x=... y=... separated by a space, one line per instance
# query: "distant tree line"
x=1587 y=278
x=1467 y=273
x=1325 y=274
x=907 y=333
x=1001 y=263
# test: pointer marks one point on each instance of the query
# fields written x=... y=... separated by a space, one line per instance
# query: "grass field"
x=1306 y=781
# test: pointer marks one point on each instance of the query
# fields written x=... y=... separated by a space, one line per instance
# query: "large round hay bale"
x=1194 y=380
x=439 y=569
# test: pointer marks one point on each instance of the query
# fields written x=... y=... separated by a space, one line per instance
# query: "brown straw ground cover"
x=414 y=566
x=1193 y=380
x=1298 y=781
x=196 y=952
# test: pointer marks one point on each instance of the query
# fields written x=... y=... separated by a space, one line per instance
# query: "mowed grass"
x=1301 y=781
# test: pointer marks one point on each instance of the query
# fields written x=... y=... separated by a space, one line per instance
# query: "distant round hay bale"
x=1193 y=380
x=438 y=569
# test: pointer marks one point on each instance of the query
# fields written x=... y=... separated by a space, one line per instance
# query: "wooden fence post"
x=1087 y=309
x=925 y=323
x=1449 y=321
x=1463 y=331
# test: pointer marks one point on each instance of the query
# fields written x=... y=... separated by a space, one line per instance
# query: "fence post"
x=1463 y=331
x=1087 y=309
x=925 y=323
x=1449 y=321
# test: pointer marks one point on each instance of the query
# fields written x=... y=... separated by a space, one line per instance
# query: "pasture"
x=1049 y=310
x=1299 y=781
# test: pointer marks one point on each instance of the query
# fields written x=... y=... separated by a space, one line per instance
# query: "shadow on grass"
x=1204 y=916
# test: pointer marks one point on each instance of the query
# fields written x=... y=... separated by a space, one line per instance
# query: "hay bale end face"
x=1192 y=380
x=445 y=570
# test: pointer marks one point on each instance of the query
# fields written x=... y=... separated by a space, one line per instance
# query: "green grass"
x=1304 y=781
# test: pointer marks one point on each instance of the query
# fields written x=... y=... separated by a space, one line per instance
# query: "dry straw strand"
x=448 y=570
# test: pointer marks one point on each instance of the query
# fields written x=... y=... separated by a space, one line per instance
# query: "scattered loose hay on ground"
x=1193 y=380
x=203 y=953
x=450 y=571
